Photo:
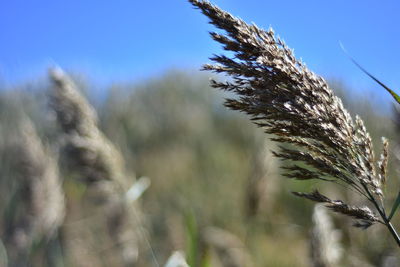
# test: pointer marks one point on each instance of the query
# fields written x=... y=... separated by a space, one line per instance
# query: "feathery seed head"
x=289 y=101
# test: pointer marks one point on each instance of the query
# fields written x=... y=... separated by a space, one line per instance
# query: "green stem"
x=382 y=213
x=393 y=232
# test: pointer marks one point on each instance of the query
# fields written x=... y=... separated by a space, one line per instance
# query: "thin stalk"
x=382 y=213
x=393 y=232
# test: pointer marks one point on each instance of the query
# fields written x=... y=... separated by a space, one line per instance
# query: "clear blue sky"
x=133 y=39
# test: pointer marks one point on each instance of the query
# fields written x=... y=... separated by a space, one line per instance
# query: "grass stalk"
x=100 y=167
x=295 y=105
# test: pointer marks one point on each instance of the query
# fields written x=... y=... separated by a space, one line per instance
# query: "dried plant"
x=41 y=192
x=101 y=168
x=93 y=154
x=289 y=101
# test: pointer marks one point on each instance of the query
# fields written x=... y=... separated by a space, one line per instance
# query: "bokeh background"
x=129 y=156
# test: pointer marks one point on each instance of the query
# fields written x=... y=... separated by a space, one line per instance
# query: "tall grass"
x=202 y=160
x=283 y=97
x=99 y=165
x=37 y=211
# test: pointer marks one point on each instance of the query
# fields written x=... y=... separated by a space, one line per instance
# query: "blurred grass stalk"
x=43 y=203
x=100 y=167
x=396 y=113
x=263 y=182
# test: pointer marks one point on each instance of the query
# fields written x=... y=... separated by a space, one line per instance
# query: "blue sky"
x=131 y=40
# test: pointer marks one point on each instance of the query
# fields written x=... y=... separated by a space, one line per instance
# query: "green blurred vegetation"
x=200 y=158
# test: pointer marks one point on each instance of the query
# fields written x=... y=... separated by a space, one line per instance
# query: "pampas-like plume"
x=101 y=167
x=289 y=101
x=43 y=197
x=92 y=153
x=41 y=170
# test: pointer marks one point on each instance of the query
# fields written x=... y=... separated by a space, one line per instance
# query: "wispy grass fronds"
x=326 y=250
x=41 y=170
x=42 y=195
x=101 y=167
x=91 y=152
x=364 y=214
x=289 y=101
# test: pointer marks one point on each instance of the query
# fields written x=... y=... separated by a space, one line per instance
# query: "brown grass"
x=100 y=166
x=296 y=106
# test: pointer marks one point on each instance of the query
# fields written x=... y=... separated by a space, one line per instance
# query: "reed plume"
x=93 y=154
x=297 y=107
x=101 y=168
x=42 y=196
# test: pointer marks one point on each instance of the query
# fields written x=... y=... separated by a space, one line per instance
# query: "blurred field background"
x=105 y=170
x=216 y=192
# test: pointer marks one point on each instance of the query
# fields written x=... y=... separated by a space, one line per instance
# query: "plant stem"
x=382 y=213
x=393 y=232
